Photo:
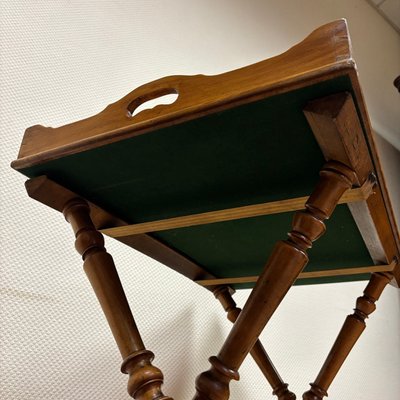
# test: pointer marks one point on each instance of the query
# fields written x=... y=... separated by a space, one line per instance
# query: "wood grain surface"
x=274 y=207
x=198 y=95
x=304 y=275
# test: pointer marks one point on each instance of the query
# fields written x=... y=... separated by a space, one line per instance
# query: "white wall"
x=64 y=60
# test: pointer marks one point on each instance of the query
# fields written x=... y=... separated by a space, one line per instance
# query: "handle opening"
x=152 y=99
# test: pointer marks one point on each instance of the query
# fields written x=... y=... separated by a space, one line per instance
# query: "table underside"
x=254 y=153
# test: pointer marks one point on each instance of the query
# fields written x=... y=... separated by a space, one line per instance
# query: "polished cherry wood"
x=338 y=131
x=229 y=214
x=342 y=129
x=323 y=54
x=56 y=196
x=283 y=267
x=348 y=336
x=280 y=388
x=304 y=275
x=145 y=380
x=337 y=128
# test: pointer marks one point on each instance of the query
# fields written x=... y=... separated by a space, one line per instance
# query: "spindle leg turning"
x=260 y=356
x=287 y=260
x=351 y=330
x=145 y=380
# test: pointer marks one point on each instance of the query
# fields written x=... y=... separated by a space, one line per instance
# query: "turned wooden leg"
x=351 y=330
x=145 y=380
x=287 y=260
x=280 y=389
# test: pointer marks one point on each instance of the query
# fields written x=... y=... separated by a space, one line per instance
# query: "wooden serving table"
x=209 y=185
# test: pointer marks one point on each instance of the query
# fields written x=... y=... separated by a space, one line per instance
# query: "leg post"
x=280 y=388
x=351 y=330
x=284 y=265
x=145 y=380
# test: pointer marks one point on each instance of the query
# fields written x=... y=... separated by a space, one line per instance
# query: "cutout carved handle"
x=136 y=104
x=182 y=85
